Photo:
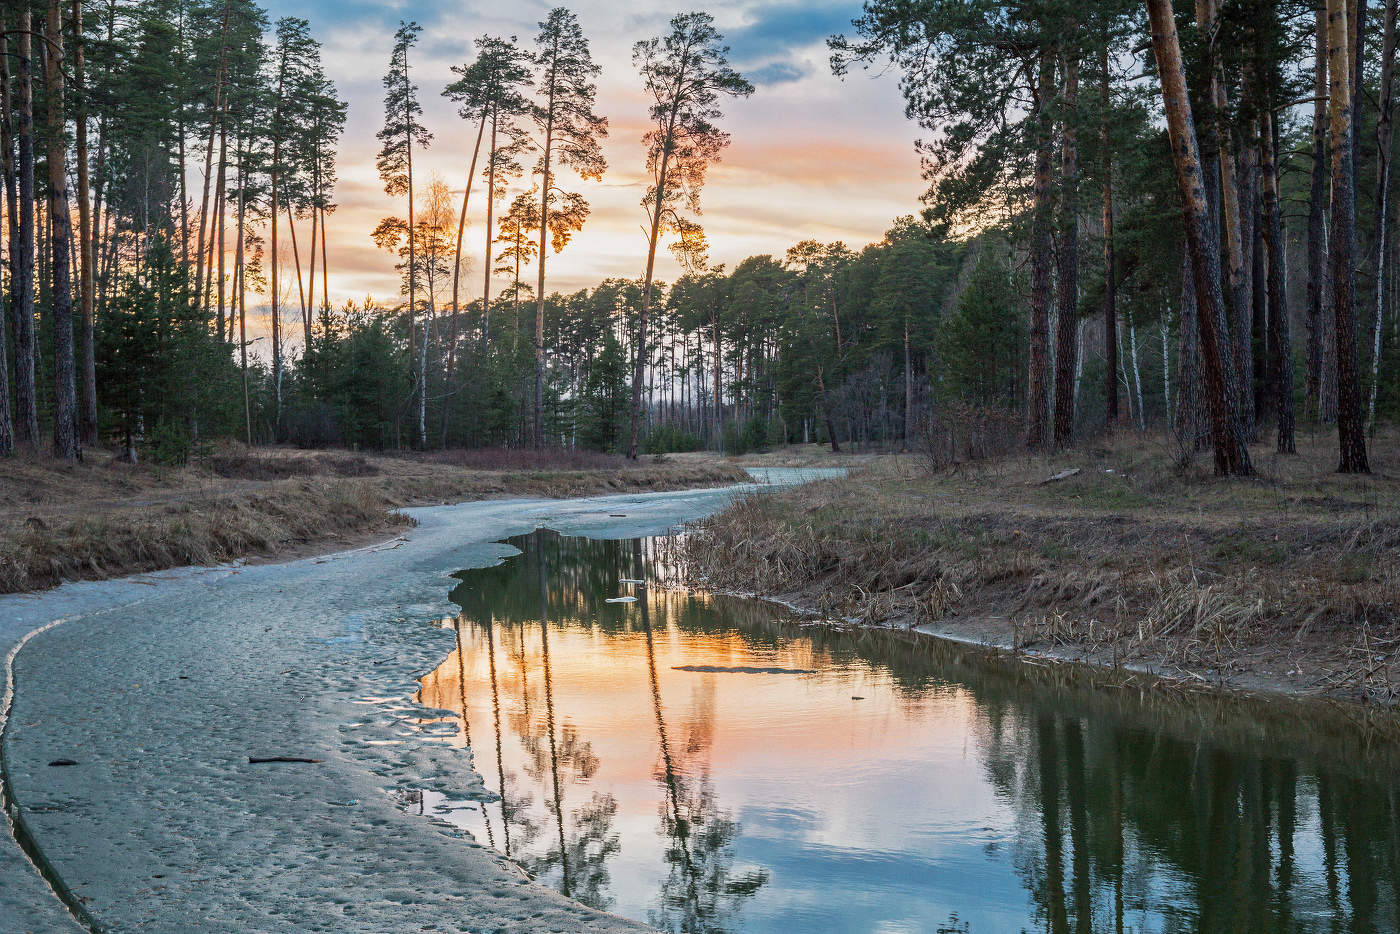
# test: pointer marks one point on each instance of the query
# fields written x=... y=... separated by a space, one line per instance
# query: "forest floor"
x=1112 y=554
x=105 y=518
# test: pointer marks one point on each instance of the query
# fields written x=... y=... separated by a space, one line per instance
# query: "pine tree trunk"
x=1067 y=261
x=545 y=182
x=1041 y=250
x=1382 y=222
x=413 y=261
x=1231 y=454
x=1281 y=344
x=1317 y=224
x=1187 y=366
x=908 y=389
x=718 y=388
x=1351 y=437
x=490 y=226
x=88 y=284
x=220 y=208
x=276 y=297
x=457 y=277
x=1110 y=284
x=26 y=395
x=215 y=114
x=66 y=440
x=236 y=294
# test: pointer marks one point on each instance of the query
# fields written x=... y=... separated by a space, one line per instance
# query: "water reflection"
x=886 y=783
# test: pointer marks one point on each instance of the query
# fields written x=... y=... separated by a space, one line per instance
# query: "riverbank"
x=1111 y=555
x=186 y=675
x=104 y=518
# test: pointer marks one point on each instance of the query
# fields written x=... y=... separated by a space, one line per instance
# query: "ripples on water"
x=693 y=762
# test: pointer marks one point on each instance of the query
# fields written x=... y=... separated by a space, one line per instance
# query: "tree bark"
x=1041 y=250
x=490 y=226
x=1218 y=145
x=1317 y=224
x=1067 y=260
x=66 y=441
x=1110 y=285
x=546 y=183
x=457 y=279
x=1351 y=437
x=1382 y=222
x=1231 y=454
x=26 y=394
x=214 y=120
x=88 y=287
x=1281 y=343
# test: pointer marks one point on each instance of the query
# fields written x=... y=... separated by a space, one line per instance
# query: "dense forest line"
x=1132 y=211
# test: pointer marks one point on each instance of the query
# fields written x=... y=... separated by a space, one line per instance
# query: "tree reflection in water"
x=1101 y=810
x=700 y=893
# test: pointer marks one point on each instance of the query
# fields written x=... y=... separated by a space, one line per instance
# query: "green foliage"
x=670 y=438
x=982 y=344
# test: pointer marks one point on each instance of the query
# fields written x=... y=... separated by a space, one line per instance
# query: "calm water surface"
x=696 y=763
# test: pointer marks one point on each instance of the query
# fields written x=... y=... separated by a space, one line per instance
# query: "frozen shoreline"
x=161 y=686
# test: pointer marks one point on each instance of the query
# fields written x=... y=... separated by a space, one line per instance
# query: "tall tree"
x=22 y=275
x=570 y=133
x=1381 y=226
x=291 y=62
x=1110 y=265
x=87 y=418
x=402 y=131
x=1067 y=254
x=1280 y=341
x=1316 y=381
x=66 y=440
x=495 y=86
x=518 y=248
x=1351 y=435
x=685 y=74
x=1227 y=435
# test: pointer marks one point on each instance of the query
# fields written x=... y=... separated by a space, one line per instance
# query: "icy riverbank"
x=160 y=688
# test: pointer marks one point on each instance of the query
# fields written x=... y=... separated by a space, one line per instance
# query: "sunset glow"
x=812 y=156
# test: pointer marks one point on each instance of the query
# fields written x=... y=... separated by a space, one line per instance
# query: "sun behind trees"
x=1095 y=252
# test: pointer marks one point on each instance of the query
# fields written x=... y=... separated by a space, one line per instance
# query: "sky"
x=812 y=156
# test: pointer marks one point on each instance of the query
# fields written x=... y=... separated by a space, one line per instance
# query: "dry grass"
x=104 y=518
x=1265 y=582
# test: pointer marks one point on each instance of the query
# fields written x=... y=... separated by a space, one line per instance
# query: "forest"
x=1148 y=217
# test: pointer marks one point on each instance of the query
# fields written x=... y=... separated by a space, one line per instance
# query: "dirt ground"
x=104 y=518
x=1289 y=581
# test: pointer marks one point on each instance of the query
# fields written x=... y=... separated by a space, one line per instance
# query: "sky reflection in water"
x=880 y=784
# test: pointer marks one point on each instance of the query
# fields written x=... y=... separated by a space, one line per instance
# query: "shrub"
x=962 y=431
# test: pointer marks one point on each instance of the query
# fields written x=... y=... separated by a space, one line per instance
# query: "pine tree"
x=1351 y=434
x=685 y=74
x=570 y=133
x=1231 y=453
x=403 y=129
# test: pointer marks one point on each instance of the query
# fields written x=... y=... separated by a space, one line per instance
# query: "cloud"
x=812 y=155
x=775 y=73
